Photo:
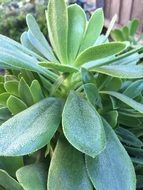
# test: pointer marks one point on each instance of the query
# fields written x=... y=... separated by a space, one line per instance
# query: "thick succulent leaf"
x=129 y=101
x=38 y=38
x=128 y=137
x=7 y=182
x=93 y=30
x=92 y=94
x=129 y=121
x=134 y=89
x=40 y=47
x=117 y=35
x=99 y=52
x=121 y=71
x=67 y=169
x=15 y=105
x=133 y=25
x=26 y=42
x=32 y=177
x=112 y=169
x=59 y=67
x=82 y=126
x=2 y=89
x=18 y=60
x=31 y=129
x=123 y=59
x=11 y=164
x=10 y=44
x=27 y=75
x=109 y=83
x=136 y=154
x=25 y=93
x=76 y=29
x=57 y=20
x=4 y=114
x=111 y=117
x=3 y=98
x=11 y=87
x=36 y=91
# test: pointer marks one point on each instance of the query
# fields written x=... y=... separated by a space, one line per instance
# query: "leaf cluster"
x=71 y=107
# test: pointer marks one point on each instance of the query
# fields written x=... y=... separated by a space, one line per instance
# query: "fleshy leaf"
x=57 y=20
x=11 y=164
x=31 y=129
x=99 y=52
x=93 y=30
x=32 y=177
x=15 y=105
x=36 y=91
x=76 y=29
x=129 y=101
x=82 y=126
x=25 y=93
x=11 y=87
x=112 y=169
x=59 y=67
x=8 y=182
x=41 y=44
x=128 y=138
x=67 y=169
x=121 y=71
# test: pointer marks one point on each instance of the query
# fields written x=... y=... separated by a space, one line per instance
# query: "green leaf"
x=8 y=182
x=136 y=154
x=59 y=67
x=36 y=91
x=105 y=82
x=99 y=52
x=32 y=177
x=129 y=101
x=1 y=78
x=112 y=169
x=134 y=24
x=40 y=42
x=18 y=60
x=117 y=35
x=94 y=28
x=67 y=169
x=10 y=44
x=128 y=137
x=3 y=98
x=111 y=117
x=4 y=114
x=134 y=89
x=26 y=42
x=92 y=94
x=121 y=71
x=82 y=126
x=25 y=93
x=15 y=105
x=2 y=89
x=31 y=129
x=125 y=31
x=11 y=87
x=76 y=29
x=57 y=20
x=11 y=164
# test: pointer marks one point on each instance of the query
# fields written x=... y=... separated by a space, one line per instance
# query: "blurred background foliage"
x=13 y=13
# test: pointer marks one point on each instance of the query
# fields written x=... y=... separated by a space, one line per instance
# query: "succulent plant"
x=71 y=107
